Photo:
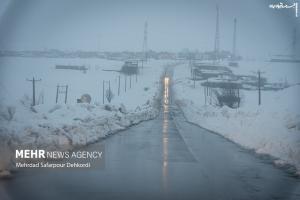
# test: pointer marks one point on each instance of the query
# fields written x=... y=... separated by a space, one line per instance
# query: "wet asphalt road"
x=165 y=158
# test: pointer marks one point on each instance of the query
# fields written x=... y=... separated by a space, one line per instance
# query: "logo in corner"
x=281 y=5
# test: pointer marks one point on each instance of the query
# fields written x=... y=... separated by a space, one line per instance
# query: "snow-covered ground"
x=272 y=128
x=53 y=126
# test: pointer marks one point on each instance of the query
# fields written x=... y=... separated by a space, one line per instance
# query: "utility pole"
x=145 y=45
x=99 y=43
x=33 y=89
x=259 y=84
x=234 y=40
x=217 y=38
x=294 y=42
x=259 y=90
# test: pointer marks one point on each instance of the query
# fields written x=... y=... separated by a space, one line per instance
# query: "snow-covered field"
x=53 y=126
x=272 y=128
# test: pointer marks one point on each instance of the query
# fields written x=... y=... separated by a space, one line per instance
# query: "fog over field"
x=116 y=25
x=192 y=99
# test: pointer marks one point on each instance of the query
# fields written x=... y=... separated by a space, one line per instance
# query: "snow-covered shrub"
x=41 y=98
x=137 y=109
x=54 y=108
x=146 y=88
x=7 y=113
x=26 y=101
x=122 y=109
x=85 y=98
x=5 y=153
x=108 y=107
x=11 y=112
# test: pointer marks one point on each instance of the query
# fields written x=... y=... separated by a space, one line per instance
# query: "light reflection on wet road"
x=165 y=128
x=165 y=158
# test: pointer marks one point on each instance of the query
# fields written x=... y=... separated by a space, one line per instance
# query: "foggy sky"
x=114 y=25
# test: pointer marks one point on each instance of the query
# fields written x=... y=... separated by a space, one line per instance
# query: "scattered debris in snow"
x=271 y=128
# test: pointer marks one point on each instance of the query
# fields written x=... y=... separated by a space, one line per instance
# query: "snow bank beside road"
x=272 y=128
x=66 y=126
x=55 y=126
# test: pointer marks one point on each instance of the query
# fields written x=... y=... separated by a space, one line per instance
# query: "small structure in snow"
x=72 y=67
x=130 y=67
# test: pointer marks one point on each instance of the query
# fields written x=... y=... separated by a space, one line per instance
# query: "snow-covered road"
x=165 y=158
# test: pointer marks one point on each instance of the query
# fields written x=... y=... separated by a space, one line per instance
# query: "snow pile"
x=272 y=128
x=65 y=126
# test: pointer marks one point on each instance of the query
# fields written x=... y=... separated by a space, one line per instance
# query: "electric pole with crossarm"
x=259 y=85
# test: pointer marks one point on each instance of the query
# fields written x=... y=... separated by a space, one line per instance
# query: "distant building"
x=166 y=55
x=130 y=67
x=72 y=67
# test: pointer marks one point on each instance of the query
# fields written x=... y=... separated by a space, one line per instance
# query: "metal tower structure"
x=145 y=45
x=217 y=38
x=234 y=40
x=294 y=42
x=99 y=44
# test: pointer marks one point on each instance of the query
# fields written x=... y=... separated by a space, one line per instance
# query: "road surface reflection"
x=165 y=133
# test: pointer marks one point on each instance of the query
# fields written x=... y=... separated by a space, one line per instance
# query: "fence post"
x=194 y=77
x=130 y=81
x=66 y=94
x=109 y=87
x=125 y=78
x=119 y=86
x=56 y=99
x=239 y=97
x=210 y=96
x=259 y=85
x=204 y=94
x=103 y=87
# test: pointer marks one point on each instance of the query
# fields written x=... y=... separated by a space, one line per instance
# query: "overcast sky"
x=109 y=25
